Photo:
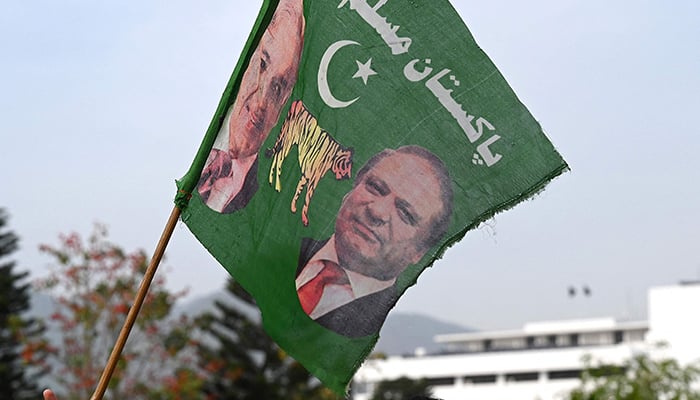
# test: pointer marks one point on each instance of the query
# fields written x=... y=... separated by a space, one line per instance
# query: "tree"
x=21 y=338
x=639 y=378
x=243 y=363
x=402 y=389
x=94 y=283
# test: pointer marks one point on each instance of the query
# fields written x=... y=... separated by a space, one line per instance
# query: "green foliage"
x=401 y=389
x=95 y=282
x=23 y=349
x=241 y=362
x=640 y=378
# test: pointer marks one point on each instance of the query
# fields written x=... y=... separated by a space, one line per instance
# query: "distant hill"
x=205 y=303
x=402 y=333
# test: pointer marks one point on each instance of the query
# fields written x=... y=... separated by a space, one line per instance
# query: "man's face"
x=266 y=83
x=383 y=221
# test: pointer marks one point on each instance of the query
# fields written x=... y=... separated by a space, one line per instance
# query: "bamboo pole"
x=136 y=307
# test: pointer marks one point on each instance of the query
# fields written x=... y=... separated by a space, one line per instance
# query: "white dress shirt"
x=335 y=296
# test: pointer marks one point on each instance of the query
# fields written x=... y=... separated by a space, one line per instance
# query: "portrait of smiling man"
x=399 y=207
x=229 y=178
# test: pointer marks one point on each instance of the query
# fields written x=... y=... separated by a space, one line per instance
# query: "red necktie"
x=310 y=293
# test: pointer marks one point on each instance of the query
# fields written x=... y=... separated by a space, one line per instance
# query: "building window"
x=563 y=340
x=441 y=381
x=479 y=379
x=474 y=347
x=574 y=339
x=509 y=344
x=544 y=341
x=522 y=377
x=564 y=374
x=596 y=338
x=618 y=337
x=541 y=341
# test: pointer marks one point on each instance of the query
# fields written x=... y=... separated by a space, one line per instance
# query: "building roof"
x=547 y=328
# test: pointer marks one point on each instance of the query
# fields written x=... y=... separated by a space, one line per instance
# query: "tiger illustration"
x=318 y=153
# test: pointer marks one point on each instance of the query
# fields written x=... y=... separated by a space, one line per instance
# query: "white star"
x=364 y=71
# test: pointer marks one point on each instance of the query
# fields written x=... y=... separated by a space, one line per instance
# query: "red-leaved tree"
x=94 y=283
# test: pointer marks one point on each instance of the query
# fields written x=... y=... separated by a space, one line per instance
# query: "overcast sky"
x=103 y=105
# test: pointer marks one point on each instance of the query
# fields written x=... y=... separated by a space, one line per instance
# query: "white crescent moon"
x=323 y=88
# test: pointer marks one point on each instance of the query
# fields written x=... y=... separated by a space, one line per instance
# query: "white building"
x=543 y=360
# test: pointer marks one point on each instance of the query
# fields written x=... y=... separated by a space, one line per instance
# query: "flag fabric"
x=355 y=142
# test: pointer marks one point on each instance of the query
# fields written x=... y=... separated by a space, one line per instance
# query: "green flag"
x=354 y=143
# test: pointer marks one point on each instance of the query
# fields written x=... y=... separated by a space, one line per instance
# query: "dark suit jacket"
x=243 y=197
x=362 y=317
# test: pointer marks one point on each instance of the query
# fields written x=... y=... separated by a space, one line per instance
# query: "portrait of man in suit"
x=399 y=207
x=230 y=176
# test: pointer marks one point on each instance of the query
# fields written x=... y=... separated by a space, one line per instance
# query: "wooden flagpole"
x=136 y=307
